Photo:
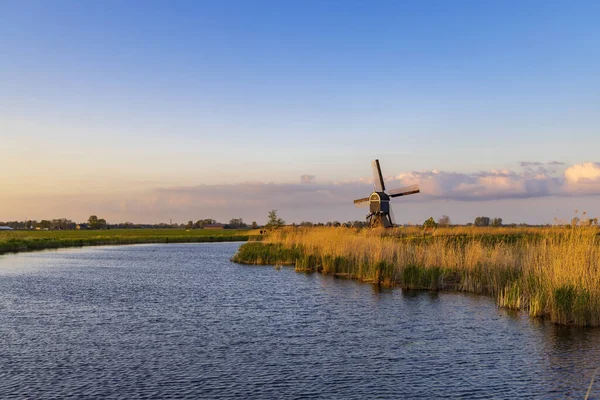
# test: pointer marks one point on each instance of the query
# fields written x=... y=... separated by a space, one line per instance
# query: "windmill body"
x=380 y=210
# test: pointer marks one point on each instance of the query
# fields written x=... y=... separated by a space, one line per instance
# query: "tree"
x=237 y=223
x=444 y=220
x=92 y=221
x=96 y=223
x=497 y=222
x=189 y=225
x=274 y=220
x=45 y=224
x=482 y=221
x=254 y=225
x=430 y=223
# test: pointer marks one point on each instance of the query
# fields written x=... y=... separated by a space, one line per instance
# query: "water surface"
x=181 y=320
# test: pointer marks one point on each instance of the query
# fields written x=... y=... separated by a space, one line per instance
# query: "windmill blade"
x=405 y=191
x=378 y=178
x=361 y=202
x=392 y=216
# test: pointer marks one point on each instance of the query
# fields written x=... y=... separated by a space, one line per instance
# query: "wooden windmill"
x=381 y=213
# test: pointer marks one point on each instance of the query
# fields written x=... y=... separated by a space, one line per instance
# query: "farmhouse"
x=214 y=226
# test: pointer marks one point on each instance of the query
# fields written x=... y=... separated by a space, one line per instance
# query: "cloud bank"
x=315 y=200
x=534 y=180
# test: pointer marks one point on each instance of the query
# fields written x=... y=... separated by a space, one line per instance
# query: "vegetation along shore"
x=18 y=241
x=548 y=272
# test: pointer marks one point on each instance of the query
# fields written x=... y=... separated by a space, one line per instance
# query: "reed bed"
x=549 y=272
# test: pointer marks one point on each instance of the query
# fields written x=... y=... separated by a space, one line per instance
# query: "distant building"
x=214 y=226
x=6 y=228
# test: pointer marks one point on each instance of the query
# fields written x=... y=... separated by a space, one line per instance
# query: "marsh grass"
x=549 y=272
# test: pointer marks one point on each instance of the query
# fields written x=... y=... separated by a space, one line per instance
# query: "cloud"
x=497 y=184
x=307 y=179
x=308 y=196
x=530 y=163
x=583 y=178
x=312 y=200
x=484 y=185
x=526 y=164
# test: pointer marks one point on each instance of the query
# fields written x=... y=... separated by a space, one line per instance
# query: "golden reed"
x=549 y=272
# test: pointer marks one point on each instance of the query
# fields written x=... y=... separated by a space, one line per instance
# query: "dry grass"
x=552 y=272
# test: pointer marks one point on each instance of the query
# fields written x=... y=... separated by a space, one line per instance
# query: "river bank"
x=547 y=272
x=20 y=241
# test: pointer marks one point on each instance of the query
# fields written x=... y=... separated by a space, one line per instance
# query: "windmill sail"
x=377 y=176
x=380 y=210
x=404 y=191
x=361 y=202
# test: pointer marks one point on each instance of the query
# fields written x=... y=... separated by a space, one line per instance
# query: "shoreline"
x=555 y=275
x=24 y=241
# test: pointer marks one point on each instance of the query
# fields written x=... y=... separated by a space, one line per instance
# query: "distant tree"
x=497 y=222
x=96 y=223
x=444 y=220
x=482 y=221
x=189 y=225
x=236 y=223
x=45 y=224
x=274 y=221
x=430 y=223
x=254 y=225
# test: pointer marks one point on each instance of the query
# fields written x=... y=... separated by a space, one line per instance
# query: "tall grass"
x=550 y=272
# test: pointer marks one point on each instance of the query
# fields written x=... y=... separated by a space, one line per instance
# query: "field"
x=16 y=241
x=548 y=272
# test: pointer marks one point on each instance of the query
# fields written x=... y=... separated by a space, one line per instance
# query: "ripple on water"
x=166 y=321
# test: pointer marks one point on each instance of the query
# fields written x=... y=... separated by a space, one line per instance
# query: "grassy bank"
x=18 y=241
x=549 y=272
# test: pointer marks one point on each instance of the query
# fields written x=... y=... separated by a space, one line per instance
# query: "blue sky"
x=115 y=102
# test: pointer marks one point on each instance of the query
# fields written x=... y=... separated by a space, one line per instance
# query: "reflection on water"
x=182 y=321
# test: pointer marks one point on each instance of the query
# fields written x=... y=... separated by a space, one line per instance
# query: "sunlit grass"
x=550 y=272
x=16 y=241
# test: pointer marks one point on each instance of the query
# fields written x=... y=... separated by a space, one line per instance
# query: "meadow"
x=18 y=241
x=548 y=272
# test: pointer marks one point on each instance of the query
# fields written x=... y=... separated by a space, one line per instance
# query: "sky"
x=149 y=111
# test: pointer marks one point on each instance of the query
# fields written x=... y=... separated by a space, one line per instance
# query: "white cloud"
x=583 y=178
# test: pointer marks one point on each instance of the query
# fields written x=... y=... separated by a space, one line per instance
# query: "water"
x=166 y=321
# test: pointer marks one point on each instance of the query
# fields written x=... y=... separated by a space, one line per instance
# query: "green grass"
x=18 y=241
x=255 y=253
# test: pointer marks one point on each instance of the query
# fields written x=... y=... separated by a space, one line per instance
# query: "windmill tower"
x=380 y=210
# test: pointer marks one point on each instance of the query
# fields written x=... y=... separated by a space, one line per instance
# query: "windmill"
x=381 y=213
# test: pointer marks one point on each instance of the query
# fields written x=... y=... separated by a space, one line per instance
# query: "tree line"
x=274 y=221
